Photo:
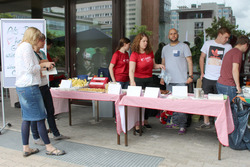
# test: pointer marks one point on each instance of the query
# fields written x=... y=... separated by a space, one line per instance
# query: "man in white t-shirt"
x=213 y=51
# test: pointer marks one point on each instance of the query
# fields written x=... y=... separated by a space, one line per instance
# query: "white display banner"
x=12 y=31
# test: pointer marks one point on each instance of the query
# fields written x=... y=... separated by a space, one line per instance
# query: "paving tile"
x=196 y=148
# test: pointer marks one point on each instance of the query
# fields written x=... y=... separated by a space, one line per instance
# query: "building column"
x=118 y=22
x=36 y=8
x=70 y=37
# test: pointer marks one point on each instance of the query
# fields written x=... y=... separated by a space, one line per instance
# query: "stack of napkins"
x=215 y=96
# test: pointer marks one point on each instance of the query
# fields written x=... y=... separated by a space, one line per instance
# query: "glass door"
x=93 y=36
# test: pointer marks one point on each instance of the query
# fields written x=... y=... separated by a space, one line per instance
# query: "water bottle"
x=101 y=74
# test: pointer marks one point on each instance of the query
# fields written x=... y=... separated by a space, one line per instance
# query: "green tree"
x=196 y=49
x=222 y=22
x=57 y=50
x=5 y=15
x=139 y=29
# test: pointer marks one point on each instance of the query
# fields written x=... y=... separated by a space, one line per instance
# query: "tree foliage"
x=196 y=49
x=56 y=50
x=222 y=22
x=5 y=15
x=139 y=29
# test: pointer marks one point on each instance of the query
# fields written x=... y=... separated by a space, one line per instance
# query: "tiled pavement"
x=195 y=149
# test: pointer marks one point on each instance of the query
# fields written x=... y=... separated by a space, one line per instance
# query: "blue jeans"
x=124 y=85
x=227 y=90
x=178 y=117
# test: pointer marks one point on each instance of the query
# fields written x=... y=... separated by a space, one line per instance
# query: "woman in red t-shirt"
x=141 y=64
x=119 y=65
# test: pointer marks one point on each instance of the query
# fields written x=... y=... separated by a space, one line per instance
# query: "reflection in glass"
x=94 y=36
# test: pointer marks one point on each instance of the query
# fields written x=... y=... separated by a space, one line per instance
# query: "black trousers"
x=146 y=82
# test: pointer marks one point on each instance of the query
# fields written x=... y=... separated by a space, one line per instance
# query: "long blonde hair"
x=32 y=35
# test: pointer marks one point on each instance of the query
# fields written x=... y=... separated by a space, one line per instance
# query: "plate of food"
x=165 y=92
x=95 y=90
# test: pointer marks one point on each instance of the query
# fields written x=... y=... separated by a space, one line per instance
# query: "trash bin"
x=240 y=138
x=106 y=109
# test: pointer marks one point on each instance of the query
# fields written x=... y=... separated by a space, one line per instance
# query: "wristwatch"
x=191 y=76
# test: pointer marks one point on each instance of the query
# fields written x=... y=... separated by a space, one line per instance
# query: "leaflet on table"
x=215 y=96
x=66 y=84
x=179 y=91
x=152 y=92
x=134 y=91
x=114 y=88
x=53 y=71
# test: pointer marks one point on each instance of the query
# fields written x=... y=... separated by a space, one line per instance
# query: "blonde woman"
x=28 y=78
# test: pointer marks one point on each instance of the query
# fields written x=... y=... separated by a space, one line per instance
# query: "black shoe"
x=138 y=131
x=148 y=126
x=17 y=105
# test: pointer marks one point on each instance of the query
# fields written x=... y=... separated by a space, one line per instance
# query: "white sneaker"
x=39 y=142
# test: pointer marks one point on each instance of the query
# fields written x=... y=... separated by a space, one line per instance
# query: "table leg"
x=126 y=126
x=70 y=120
x=97 y=111
x=140 y=121
x=118 y=139
x=219 y=153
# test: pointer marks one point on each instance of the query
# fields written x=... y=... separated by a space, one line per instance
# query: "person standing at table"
x=47 y=98
x=119 y=65
x=213 y=51
x=141 y=64
x=28 y=78
x=229 y=80
x=177 y=58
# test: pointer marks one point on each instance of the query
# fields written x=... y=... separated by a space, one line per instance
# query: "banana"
x=78 y=82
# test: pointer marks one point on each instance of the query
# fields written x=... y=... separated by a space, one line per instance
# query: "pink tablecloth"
x=216 y=108
x=57 y=93
x=60 y=105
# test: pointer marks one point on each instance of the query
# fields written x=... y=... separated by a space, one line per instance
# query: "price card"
x=134 y=91
x=66 y=84
x=152 y=92
x=180 y=91
x=114 y=88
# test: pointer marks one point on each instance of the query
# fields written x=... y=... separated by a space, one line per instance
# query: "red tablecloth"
x=216 y=108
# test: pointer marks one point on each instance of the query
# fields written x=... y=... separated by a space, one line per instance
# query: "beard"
x=173 y=40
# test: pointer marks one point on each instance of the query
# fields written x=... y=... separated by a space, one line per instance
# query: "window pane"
x=94 y=36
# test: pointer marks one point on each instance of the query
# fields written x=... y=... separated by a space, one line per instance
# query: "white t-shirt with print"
x=214 y=56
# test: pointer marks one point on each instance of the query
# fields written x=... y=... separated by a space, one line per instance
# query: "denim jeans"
x=124 y=85
x=178 y=117
x=227 y=90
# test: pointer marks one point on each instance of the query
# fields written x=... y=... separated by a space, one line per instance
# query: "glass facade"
x=94 y=36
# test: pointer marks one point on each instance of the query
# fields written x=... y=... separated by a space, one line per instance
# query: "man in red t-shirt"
x=229 y=80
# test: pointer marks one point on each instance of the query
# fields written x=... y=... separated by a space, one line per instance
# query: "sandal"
x=32 y=151
x=56 y=152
